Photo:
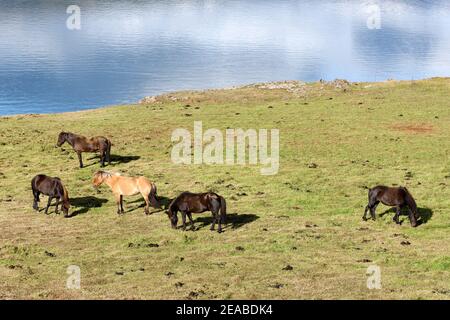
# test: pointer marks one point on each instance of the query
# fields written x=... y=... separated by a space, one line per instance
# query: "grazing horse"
x=189 y=203
x=82 y=144
x=127 y=186
x=394 y=197
x=53 y=188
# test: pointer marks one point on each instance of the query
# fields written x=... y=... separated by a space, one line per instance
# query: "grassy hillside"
x=336 y=139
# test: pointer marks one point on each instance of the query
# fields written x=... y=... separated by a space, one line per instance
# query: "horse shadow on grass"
x=115 y=159
x=234 y=221
x=162 y=201
x=425 y=214
x=85 y=204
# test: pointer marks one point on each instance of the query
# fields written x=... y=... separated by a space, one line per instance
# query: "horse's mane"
x=66 y=194
x=108 y=174
x=409 y=198
x=103 y=174
x=174 y=201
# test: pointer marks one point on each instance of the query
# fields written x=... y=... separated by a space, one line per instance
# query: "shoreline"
x=333 y=146
x=287 y=85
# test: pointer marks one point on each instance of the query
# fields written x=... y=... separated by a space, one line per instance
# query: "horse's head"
x=66 y=207
x=173 y=217
x=61 y=139
x=66 y=203
x=99 y=177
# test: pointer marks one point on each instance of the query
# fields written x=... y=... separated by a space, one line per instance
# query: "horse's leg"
x=36 y=200
x=371 y=201
x=364 y=217
x=121 y=204
x=397 y=215
x=108 y=153
x=102 y=158
x=50 y=198
x=372 y=210
x=118 y=202
x=80 y=159
x=219 y=228
x=58 y=201
x=214 y=220
x=189 y=214
x=183 y=217
x=147 y=203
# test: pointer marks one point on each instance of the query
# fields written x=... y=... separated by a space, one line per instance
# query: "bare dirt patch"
x=414 y=128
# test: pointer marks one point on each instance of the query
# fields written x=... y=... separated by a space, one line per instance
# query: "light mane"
x=107 y=174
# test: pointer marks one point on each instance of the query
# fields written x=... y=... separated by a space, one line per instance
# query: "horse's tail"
x=152 y=196
x=223 y=209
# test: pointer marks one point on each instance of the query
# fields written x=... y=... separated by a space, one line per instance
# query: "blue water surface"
x=126 y=50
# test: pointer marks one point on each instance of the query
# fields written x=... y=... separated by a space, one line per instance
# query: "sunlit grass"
x=308 y=218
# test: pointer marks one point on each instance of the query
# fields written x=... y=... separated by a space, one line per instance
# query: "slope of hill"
x=295 y=234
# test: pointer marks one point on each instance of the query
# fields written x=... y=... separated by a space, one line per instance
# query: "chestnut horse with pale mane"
x=81 y=144
x=127 y=186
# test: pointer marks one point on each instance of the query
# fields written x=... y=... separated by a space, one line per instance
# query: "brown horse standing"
x=82 y=144
x=53 y=188
x=127 y=186
x=394 y=197
x=189 y=203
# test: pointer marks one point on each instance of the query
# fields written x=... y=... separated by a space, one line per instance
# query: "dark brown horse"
x=82 y=144
x=188 y=203
x=53 y=188
x=394 y=197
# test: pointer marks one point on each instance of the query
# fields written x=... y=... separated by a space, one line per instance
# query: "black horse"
x=394 y=197
x=53 y=188
x=188 y=203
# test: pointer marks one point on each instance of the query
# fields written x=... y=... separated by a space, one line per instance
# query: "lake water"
x=126 y=50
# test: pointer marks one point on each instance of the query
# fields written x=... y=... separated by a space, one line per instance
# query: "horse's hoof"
x=219 y=231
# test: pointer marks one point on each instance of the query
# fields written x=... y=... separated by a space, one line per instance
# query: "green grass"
x=308 y=218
